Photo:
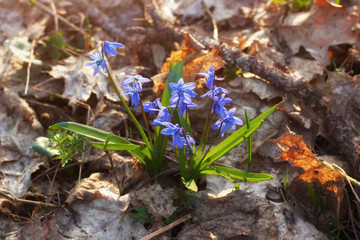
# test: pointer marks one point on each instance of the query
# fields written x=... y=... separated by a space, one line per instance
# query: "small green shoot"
x=231 y=71
x=142 y=215
x=67 y=144
x=296 y=5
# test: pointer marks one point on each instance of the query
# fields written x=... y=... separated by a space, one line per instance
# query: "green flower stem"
x=212 y=143
x=111 y=162
x=208 y=129
x=118 y=93
x=204 y=134
x=173 y=113
x=145 y=119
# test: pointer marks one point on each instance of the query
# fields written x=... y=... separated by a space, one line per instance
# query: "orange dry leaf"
x=175 y=56
x=201 y=64
x=326 y=181
x=194 y=62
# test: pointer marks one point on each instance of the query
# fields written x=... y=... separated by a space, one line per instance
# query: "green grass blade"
x=118 y=146
x=88 y=131
x=235 y=139
x=249 y=142
x=232 y=173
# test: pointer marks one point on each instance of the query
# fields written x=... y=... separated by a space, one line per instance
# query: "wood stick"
x=167 y=228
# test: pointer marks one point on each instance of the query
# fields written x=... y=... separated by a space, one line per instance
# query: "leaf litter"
x=296 y=45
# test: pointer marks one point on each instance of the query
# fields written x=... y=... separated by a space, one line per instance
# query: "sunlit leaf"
x=236 y=138
x=235 y=174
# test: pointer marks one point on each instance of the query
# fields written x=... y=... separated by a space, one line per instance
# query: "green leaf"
x=235 y=174
x=100 y=135
x=42 y=146
x=190 y=184
x=235 y=139
x=249 y=142
x=175 y=74
x=57 y=40
x=118 y=146
x=88 y=131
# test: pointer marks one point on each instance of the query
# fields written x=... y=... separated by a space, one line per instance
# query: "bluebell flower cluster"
x=163 y=115
x=181 y=98
x=108 y=48
x=135 y=82
x=181 y=94
x=99 y=61
x=175 y=131
x=210 y=75
x=133 y=85
x=227 y=120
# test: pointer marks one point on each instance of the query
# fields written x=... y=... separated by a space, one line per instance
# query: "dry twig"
x=167 y=228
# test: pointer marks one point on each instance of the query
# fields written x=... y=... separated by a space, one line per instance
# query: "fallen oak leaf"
x=329 y=184
x=175 y=56
x=194 y=61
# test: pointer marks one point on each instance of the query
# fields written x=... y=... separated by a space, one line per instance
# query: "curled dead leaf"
x=327 y=183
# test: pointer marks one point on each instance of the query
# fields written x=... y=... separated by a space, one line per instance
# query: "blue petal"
x=96 y=70
x=217 y=124
x=223 y=129
x=90 y=64
x=177 y=140
x=238 y=121
x=203 y=74
x=115 y=44
x=167 y=131
x=190 y=85
x=231 y=111
x=169 y=125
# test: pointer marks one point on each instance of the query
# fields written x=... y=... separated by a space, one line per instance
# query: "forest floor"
x=302 y=55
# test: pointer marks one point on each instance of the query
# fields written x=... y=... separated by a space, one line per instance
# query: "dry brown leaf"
x=298 y=154
x=194 y=62
x=324 y=25
x=175 y=56
x=325 y=181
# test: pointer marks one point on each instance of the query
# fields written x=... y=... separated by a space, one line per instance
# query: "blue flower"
x=215 y=92
x=227 y=120
x=135 y=81
x=134 y=96
x=182 y=91
x=108 y=48
x=99 y=62
x=183 y=106
x=181 y=95
x=219 y=103
x=175 y=131
x=163 y=116
x=210 y=75
x=189 y=140
x=150 y=107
